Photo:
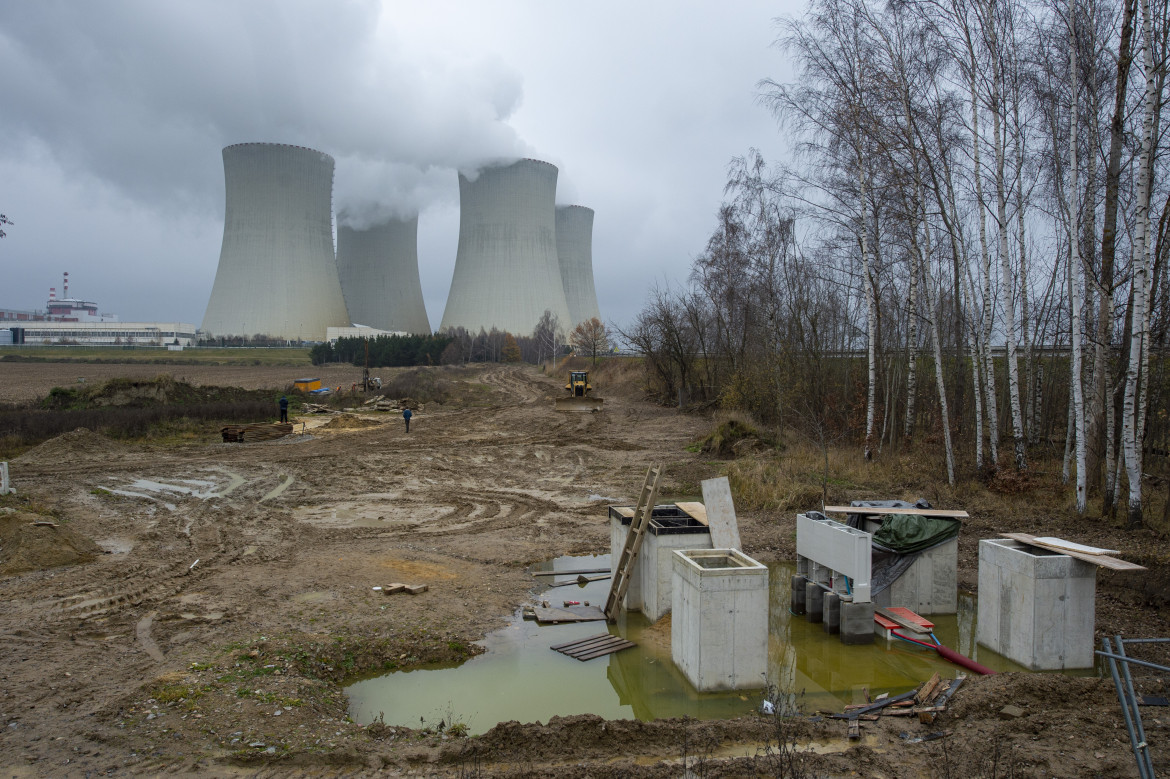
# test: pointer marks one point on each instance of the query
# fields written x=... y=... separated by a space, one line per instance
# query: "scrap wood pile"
x=925 y=703
x=383 y=403
x=234 y=434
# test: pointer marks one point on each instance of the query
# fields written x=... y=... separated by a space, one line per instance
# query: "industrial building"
x=575 y=253
x=378 y=268
x=506 y=269
x=277 y=273
x=101 y=333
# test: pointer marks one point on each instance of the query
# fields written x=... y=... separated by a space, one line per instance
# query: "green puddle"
x=520 y=678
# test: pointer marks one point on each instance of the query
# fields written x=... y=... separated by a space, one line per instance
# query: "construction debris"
x=594 y=646
x=250 y=433
x=925 y=703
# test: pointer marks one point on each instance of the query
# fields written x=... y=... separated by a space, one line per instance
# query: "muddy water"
x=520 y=678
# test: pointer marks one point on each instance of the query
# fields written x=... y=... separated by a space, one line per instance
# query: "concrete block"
x=814 y=600
x=842 y=550
x=856 y=623
x=650 y=582
x=929 y=585
x=798 y=583
x=1036 y=607
x=719 y=624
x=5 y=486
x=832 y=612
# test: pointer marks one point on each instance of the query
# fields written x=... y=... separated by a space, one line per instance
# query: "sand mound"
x=81 y=444
x=348 y=422
x=28 y=547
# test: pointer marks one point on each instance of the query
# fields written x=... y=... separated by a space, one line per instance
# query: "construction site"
x=509 y=590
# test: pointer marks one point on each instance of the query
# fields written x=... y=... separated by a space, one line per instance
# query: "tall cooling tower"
x=277 y=275
x=506 y=268
x=575 y=250
x=378 y=267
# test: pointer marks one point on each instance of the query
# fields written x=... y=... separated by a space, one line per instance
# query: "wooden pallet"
x=551 y=615
x=638 y=525
x=594 y=646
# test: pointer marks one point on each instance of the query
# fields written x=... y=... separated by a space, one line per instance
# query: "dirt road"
x=235 y=595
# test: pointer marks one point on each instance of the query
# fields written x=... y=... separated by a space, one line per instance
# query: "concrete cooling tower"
x=575 y=251
x=506 y=268
x=378 y=267
x=277 y=275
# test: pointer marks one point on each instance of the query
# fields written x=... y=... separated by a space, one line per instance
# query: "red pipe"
x=951 y=655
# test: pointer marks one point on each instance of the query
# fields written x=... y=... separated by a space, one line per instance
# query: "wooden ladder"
x=641 y=519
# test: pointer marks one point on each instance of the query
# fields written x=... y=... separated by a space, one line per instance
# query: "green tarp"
x=909 y=533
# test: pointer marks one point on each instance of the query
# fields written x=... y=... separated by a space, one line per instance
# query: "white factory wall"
x=108 y=333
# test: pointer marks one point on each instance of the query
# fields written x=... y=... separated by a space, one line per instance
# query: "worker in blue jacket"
x=283 y=408
x=406 y=415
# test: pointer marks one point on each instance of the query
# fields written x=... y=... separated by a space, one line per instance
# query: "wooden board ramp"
x=633 y=545
x=551 y=615
x=1104 y=561
x=944 y=513
x=594 y=646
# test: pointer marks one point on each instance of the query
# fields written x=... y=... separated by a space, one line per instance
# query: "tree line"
x=969 y=243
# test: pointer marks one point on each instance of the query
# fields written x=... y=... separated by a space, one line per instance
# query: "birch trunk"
x=985 y=254
x=936 y=342
x=1133 y=401
x=912 y=349
x=1074 y=266
x=871 y=313
x=1005 y=282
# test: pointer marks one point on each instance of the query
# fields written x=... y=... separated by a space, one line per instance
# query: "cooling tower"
x=277 y=275
x=378 y=267
x=575 y=251
x=506 y=268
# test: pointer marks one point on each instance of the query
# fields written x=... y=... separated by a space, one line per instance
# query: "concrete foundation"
x=797 y=605
x=719 y=626
x=1036 y=607
x=832 y=613
x=650 y=582
x=814 y=602
x=856 y=623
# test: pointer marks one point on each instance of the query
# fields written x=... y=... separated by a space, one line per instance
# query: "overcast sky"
x=113 y=116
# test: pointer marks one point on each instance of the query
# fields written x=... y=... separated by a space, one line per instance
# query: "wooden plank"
x=875 y=706
x=927 y=690
x=901 y=621
x=616 y=646
x=696 y=510
x=720 y=513
x=625 y=511
x=1064 y=543
x=417 y=589
x=946 y=513
x=570 y=573
x=570 y=614
x=592 y=642
x=854 y=729
x=584 y=579
x=1112 y=563
x=578 y=641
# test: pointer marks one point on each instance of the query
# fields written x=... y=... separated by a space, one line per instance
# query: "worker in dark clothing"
x=406 y=415
x=283 y=408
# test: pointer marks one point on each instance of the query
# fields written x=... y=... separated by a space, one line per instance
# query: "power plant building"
x=277 y=275
x=575 y=253
x=378 y=268
x=506 y=269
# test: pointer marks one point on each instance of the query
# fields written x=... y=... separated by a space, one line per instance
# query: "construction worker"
x=406 y=414
x=283 y=408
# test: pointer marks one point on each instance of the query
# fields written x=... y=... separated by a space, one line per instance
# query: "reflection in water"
x=520 y=678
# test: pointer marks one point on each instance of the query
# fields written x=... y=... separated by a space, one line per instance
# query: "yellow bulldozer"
x=579 y=398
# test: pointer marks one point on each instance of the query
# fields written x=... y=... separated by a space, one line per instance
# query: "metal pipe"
x=1147 y=641
x=1112 y=660
x=1137 y=715
x=1127 y=659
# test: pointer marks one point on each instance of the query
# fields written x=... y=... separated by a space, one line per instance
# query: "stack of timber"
x=925 y=703
x=259 y=432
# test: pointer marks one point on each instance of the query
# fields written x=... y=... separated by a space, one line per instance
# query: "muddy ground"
x=213 y=634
